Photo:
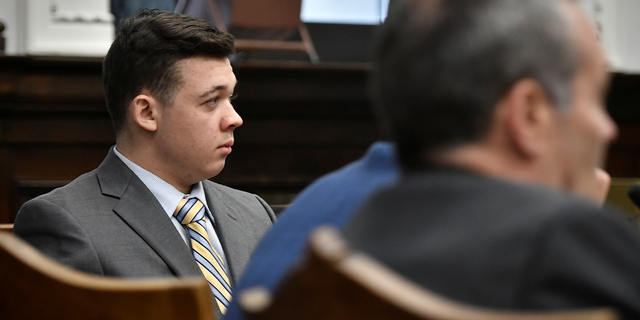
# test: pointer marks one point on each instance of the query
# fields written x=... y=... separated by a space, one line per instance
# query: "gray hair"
x=441 y=66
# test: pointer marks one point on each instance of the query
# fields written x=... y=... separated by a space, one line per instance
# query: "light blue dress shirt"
x=169 y=197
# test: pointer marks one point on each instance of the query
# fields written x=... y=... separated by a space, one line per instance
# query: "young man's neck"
x=493 y=163
x=144 y=157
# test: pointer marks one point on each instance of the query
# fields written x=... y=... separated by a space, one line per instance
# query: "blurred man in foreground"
x=497 y=109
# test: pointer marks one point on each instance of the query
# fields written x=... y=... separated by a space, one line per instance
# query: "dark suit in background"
x=202 y=9
x=128 y=8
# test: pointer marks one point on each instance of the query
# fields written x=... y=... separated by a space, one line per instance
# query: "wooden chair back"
x=8 y=227
x=33 y=286
x=266 y=13
x=337 y=284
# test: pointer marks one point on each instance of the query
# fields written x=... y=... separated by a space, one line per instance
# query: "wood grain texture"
x=35 y=287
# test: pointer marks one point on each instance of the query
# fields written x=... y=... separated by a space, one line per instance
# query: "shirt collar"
x=167 y=195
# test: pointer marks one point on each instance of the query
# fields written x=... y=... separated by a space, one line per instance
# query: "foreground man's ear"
x=530 y=118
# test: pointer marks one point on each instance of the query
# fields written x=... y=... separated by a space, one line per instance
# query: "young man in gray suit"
x=497 y=108
x=148 y=210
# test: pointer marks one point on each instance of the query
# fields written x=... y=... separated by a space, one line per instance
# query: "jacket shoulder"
x=83 y=187
x=236 y=199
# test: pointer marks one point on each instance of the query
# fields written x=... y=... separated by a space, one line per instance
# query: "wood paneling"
x=300 y=121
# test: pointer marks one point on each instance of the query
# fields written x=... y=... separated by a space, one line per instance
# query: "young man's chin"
x=214 y=170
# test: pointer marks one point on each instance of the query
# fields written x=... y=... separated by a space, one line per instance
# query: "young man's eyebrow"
x=214 y=89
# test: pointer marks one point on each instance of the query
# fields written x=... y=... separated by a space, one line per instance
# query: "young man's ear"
x=145 y=111
x=530 y=118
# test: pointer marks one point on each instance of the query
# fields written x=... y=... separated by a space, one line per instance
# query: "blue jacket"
x=332 y=199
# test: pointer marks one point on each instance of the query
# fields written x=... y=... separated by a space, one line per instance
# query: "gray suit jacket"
x=107 y=222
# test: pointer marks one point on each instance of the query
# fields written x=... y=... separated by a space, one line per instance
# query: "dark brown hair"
x=144 y=56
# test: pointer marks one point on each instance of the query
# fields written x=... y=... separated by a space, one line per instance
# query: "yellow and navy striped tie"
x=191 y=212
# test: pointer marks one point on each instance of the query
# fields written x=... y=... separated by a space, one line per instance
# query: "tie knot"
x=189 y=210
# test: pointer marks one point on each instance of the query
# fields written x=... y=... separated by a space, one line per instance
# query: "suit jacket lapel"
x=230 y=229
x=142 y=212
